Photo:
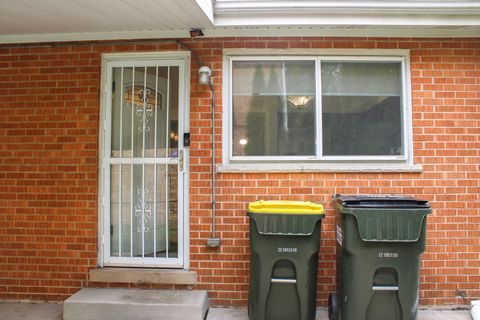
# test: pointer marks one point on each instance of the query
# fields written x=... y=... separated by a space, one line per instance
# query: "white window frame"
x=109 y=61
x=318 y=161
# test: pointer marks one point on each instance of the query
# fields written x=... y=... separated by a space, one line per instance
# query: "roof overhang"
x=412 y=18
x=33 y=21
x=23 y=21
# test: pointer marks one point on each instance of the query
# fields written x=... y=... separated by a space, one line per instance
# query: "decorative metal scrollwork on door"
x=144 y=214
x=144 y=110
x=144 y=101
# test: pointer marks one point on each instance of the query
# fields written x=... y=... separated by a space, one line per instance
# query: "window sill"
x=319 y=167
x=143 y=276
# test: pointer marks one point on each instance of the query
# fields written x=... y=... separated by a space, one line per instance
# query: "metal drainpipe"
x=213 y=241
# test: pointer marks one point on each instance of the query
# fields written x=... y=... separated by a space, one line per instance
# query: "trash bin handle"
x=385 y=288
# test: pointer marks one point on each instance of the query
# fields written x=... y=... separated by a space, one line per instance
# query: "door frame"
x=182 y=57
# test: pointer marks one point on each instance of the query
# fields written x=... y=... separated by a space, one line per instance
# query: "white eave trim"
x=207 y=7
x=350 y=19
x=381 y=6
x=252 y=31
x=94 y=36
x=335 y=13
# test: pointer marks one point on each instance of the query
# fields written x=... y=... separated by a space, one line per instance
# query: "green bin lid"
x=379 y=201
x=385 y=218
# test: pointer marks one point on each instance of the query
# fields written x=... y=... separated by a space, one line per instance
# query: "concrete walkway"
x=51 y=311
x=31 y=311
x=241 y=314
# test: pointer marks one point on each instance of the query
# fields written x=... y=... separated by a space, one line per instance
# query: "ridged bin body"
x=379 y=258
x=283 y=265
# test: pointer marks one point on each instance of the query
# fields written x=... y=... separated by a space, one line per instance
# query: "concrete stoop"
x=126 y=304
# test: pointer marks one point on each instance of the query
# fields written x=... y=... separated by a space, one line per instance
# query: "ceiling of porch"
x=90 y=19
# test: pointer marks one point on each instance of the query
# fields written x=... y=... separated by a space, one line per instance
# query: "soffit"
x=41 y=17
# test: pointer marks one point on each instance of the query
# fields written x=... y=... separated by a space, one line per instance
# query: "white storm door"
x=144 y=164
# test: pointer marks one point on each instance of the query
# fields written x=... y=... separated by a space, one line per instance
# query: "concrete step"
x=127 y=304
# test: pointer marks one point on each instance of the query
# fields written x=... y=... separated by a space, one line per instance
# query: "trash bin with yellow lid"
x=284 y=245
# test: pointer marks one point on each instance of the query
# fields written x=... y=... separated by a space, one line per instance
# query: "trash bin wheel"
x=332 y=306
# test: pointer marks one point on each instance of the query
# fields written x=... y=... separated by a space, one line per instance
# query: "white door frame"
x=182 y=60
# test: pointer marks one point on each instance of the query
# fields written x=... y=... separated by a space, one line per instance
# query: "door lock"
x=186 y=139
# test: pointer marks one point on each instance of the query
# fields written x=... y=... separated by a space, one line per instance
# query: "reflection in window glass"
x=362 y=109
x=145 y=112
x=273 y=108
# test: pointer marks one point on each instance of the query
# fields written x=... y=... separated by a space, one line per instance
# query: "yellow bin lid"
x=285 y=207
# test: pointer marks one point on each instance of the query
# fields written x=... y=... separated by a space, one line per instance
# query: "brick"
x=49 y=164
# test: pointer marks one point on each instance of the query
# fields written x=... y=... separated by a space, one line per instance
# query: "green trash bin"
x=284 y=245
x=379 y=242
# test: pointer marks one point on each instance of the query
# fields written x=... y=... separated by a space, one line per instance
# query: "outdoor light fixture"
x=204 y=75
x=196 y=33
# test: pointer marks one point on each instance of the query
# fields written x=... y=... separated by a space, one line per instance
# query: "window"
x=318 y=109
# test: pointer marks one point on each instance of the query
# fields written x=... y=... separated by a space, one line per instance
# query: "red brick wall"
x=49 y=119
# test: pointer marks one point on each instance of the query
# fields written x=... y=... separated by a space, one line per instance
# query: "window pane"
x=139 y=108
x=126 y=112
x=172 y=212
x=117 y=101
x=273 y=108
x=115 y=205
x=150 y=107
x=161 y=211
x=162 y=111
x=172 y=129
x=140 y=118
x=138 y=204
x=126 y=211
x=149 y=207
x=362 y=109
